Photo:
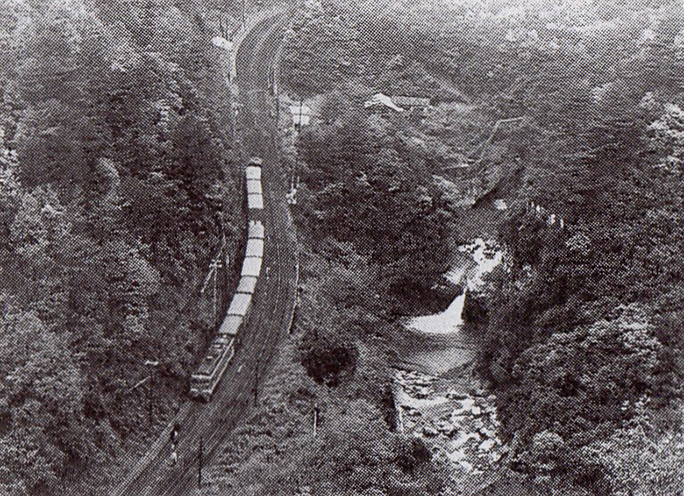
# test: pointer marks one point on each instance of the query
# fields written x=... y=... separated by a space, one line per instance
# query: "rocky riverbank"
x=460 y=424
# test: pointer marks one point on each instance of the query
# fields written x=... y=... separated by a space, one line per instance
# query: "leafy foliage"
x=580 y=322
x=365 y=192
x=328 y=361
x=114 y=185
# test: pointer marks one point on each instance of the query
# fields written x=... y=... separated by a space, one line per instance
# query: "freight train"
x=204 y=381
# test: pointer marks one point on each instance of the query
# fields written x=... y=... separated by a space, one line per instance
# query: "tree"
x=582 y=384
x=639 y=459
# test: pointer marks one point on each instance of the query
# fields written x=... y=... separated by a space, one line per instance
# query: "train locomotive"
x=204 y=381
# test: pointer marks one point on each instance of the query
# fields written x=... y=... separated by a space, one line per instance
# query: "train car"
x=203 y=383
x=254 y=187
x=255 y=201
x=254 y=248
x=230 y=327
x=255 y=230
x=255 y=161
x=251 y=267
x=241 y=305
x=255 y=198
x=252 y=172
x=247 y=285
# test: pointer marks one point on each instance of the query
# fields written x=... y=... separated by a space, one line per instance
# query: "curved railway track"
x=272 y=308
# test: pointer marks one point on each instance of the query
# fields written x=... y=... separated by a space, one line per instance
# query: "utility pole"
x=149 y=379
x=255 y=391
x=315 y=419
x=214 y=267
x=149 y=403
x=301 y=110
x=199 y=465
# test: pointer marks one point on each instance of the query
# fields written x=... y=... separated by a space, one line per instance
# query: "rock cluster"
x=487 y=248
x=415 y=384
x=461 y=426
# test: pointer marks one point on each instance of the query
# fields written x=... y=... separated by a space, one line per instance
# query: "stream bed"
x=437 y=395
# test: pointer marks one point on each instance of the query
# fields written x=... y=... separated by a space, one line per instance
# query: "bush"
x=411 y=454
x=327 y=360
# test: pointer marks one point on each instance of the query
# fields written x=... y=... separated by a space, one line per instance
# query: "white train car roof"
x=252 y=172
x=247 y=285
x=255 y=201
x=254 y=186
x=251 y=267
x=240 y=304
x=230 y=326
x=255 y=230
x=255 y=161
x=254 y=248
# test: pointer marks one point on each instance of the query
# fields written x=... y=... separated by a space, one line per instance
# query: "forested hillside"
x=116 y=187
x=580 y=328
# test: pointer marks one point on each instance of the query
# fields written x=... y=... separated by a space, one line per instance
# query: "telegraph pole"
x=199 y=464
x=214 y=267
x=149 y=403
x=315 y=419
x=256 y=381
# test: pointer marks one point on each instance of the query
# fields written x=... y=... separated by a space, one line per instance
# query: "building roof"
x=300 y=114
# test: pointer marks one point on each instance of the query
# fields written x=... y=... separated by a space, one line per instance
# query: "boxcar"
x=251 y=267
x=247 y=285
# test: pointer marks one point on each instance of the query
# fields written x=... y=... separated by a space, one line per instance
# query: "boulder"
x=446 y=428
x=411 y=412
x=429 y=431
x=422 y=392
x=488 y=433
x=453 y=395
x=486 y=445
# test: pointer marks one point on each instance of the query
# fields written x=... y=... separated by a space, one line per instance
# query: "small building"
x=382 y=102
x=412 y=103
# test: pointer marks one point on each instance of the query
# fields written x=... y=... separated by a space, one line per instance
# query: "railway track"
x=271 y=315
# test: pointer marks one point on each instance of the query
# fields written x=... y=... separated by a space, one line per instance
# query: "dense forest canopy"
x=581 y=336
x=116 y=188
x=117 y=185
